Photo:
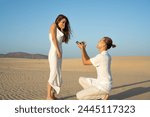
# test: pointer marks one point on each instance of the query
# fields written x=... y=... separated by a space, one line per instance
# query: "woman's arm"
x=85 y=57
x=54 y=39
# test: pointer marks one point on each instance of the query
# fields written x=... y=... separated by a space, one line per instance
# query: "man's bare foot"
x=105 y=97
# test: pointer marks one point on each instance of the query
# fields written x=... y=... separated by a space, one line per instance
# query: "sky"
x=24 y=25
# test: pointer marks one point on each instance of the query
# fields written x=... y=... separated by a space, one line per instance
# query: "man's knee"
x=79 y=96
x=81 y=79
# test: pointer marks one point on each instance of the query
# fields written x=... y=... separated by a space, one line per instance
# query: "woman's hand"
x=59 y=54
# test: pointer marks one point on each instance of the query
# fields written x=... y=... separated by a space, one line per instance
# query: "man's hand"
x=81 y=45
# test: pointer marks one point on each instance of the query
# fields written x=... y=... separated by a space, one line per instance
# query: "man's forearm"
x=85 y=56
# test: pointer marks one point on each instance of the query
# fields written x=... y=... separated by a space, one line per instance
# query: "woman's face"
x=62 y=23
x=101 y=44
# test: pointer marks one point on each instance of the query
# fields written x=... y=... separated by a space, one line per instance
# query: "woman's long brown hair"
x=66 y=30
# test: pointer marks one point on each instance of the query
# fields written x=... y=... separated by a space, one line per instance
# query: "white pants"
x=89 y=91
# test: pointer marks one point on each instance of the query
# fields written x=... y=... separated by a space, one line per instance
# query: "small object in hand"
x=82 y=42
x=77 y=42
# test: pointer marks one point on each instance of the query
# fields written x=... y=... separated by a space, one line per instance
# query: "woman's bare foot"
x=54 y=97
x=51 y=94
x=50 y=98
x=105 y=97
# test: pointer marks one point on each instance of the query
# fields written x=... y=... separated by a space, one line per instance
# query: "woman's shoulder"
x=52 y=27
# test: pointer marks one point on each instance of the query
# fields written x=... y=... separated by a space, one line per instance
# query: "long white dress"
x=55 y=79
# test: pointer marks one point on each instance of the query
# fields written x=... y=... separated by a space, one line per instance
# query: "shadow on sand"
x=71 y=96
x=122 y=95
x=130 y=92
x=131 y=84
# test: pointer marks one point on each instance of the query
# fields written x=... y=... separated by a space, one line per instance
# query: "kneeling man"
x=97 y=88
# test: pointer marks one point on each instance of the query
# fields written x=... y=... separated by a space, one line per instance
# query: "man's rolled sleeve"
x=95 y=60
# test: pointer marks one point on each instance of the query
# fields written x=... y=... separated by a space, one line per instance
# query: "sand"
x=26 y=79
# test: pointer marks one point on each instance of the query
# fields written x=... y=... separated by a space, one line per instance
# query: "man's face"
x=101 y=44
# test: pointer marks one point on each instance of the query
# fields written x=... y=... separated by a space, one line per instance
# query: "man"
x=97 y=88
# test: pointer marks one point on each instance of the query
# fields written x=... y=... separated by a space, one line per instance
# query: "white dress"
x=55 y=79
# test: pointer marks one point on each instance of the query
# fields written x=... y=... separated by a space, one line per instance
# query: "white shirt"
x=102 y=62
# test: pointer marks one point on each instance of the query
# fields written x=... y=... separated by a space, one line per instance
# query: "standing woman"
x=59 y=32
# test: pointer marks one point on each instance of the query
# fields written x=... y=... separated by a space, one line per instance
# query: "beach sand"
x=26 y=79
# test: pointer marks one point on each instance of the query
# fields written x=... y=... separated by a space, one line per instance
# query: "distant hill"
x=23 y=55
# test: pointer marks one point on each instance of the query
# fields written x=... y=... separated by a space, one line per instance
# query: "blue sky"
x=24 y=25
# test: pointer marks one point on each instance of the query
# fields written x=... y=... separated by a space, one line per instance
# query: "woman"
x=97 y=88
x=59 y=32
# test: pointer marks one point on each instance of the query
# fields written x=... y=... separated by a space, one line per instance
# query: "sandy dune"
x=27 y=78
